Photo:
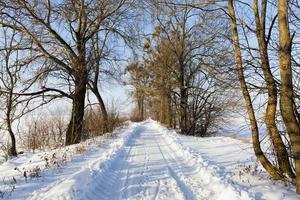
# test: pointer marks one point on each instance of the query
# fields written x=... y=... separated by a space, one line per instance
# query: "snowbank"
x=232 y=163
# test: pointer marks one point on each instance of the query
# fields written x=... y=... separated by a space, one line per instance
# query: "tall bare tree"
x=271 y=169
x=16 y=83
x=288 y=112
x=60 y=31
x=270 y=115
x=139 y=79
x=190 y=43
x=9 y=76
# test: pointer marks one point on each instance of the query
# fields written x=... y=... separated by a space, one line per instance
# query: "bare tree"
x=10 y=72
x=97 y=52
x=15 y=88
x=286 y=88
x=60 y=31
x=270 y=115
x=139 y=79
x=183 y=59
x=247 y=98
x=105 y=61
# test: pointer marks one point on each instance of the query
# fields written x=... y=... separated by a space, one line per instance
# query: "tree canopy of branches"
x=179 y=60
x=61 y=33
x=182 y=66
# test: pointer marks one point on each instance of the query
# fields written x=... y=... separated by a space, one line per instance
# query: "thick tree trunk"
x=74 y=130
x=270 y=115
x=253 y=123
x=286 y=87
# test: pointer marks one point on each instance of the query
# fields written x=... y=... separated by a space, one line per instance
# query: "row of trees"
x=58 y=49
x=183 y=77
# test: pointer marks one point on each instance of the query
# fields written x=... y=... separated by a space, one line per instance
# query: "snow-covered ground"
x=143 y=161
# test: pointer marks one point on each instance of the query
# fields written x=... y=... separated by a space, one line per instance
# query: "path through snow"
x=147 y=161
x=147 y=166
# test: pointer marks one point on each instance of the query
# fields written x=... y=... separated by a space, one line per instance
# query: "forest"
x=190 y=65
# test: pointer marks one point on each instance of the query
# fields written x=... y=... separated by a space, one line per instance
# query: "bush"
x=4 y=151
x=94 y=125
x=135 y=116
x=44 y=132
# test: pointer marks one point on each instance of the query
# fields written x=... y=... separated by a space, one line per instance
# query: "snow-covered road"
x=148 y=161
x=148 y=166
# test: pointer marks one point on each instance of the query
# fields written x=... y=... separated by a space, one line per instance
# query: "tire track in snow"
x=156 y=190
x=141 y=172
x=118 y=187
x=111 y=181
x=125 y=190
x=188 y=194
x=206 y=183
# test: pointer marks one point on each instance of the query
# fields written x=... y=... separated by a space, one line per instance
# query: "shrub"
x=94 y=125
x=44 y=132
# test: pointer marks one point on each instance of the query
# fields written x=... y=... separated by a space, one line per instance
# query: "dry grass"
x=243 y=140
x=94 y=125
x=80 y=149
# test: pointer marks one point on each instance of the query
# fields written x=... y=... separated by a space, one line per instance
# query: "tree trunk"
x=183 y=100
x=12 y=149
x=183 y=110
x=253 y=123
x=270 y=115
x=140 y=102
x=164 y=113
x=103 y=110
x=174 y=113
x=74 y=130
x=143 y=108
x=170 y=111
x=286 y=87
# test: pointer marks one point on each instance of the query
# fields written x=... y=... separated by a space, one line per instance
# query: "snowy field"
x=143 y=161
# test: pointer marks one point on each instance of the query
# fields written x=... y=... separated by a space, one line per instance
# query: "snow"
x=145 y=161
